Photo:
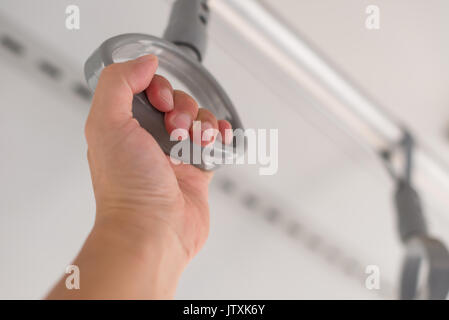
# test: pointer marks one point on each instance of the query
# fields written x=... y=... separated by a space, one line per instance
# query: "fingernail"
x=167 y=96
x=210 y=136
x=145 y=58
x=227 y=137
x=182 y=121
x=206 y=125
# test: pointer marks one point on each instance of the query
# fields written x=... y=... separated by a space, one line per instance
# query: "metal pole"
x=343 y=99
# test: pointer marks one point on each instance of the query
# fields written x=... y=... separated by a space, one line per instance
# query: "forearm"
x=126 y=261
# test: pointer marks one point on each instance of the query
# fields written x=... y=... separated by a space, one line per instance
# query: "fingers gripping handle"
x=190 y=73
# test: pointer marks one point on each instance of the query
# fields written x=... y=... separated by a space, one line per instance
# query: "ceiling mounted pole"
x=363 y=116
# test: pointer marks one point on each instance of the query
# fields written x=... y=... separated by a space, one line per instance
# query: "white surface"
x=326 y=182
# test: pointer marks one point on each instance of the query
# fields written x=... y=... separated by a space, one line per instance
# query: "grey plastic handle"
x=202 y=85
x=427 y=262
x=426 y=258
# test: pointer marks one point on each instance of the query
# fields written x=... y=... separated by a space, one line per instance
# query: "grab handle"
x=192 y=75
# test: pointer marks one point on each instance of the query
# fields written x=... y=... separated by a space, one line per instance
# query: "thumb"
x=118 y=82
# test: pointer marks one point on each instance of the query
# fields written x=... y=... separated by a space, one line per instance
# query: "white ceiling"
x=333 y=189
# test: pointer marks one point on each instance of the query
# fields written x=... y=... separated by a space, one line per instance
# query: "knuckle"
x=188 y=99
x=159 y=78
x=206 y=114
x=109 y=71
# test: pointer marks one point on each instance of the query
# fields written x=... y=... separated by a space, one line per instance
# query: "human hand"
x=152 y=216
x=135 y=183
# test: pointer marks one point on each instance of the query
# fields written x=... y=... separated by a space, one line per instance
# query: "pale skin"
x=152 y=216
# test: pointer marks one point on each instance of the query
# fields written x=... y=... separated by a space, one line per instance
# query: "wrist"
x=151 y=247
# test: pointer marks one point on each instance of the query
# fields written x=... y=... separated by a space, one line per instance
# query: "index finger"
x=118 y=82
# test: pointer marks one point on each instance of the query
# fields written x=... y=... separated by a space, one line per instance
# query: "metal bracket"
x=410 y=215
x=187 y=27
